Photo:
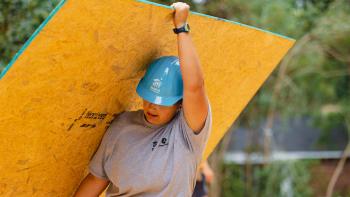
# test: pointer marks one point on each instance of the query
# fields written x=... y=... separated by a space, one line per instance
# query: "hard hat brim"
x=153 y=98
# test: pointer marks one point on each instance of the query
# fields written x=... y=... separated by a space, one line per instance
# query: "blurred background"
x=293 y=137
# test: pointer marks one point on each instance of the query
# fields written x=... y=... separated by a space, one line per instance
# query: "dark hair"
x=179 y=102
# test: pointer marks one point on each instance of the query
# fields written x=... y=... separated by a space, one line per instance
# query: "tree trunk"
x=341 y=163
x=338 y=171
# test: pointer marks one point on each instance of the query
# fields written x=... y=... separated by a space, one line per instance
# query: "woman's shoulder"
x=126 y=118
x=122 y=121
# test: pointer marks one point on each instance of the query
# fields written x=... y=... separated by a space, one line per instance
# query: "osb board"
x=82 y=66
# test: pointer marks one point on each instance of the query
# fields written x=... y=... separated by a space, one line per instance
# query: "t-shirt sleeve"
x=98 y=161
x=196 y=142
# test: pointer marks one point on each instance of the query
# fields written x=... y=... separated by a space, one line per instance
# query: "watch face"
x=187 y=27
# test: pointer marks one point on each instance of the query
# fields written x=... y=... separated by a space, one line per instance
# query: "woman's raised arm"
x=195 y=102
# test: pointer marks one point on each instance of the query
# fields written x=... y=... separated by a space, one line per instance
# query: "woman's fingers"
x=180 y=13
x=180 y=6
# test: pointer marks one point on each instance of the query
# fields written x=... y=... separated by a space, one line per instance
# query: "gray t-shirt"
x=141 y=159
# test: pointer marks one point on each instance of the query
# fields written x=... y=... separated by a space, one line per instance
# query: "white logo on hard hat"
x=156 y=85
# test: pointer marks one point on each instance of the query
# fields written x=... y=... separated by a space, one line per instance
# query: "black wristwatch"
x=185 y=28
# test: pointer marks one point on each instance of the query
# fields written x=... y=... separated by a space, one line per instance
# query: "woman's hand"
x=91 y=186
x=180 y=14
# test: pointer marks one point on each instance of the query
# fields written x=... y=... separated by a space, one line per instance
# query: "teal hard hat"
x=162 y=83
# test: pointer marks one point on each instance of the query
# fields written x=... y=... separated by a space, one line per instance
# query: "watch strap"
x=184 y=28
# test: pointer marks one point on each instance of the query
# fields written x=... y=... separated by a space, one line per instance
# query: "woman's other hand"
x=91 y=186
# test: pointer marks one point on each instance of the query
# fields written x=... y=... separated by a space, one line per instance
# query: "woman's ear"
x=179 y=106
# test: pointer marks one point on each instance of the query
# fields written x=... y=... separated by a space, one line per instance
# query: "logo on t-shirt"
x=163 y=142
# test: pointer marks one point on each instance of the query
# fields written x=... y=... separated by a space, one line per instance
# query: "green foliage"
x=317 y=68
x=336 y=39
x=278 y=179
x=18 y=20
x=233 y=181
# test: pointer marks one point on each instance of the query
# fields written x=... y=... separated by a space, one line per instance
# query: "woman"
x=156 y=151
